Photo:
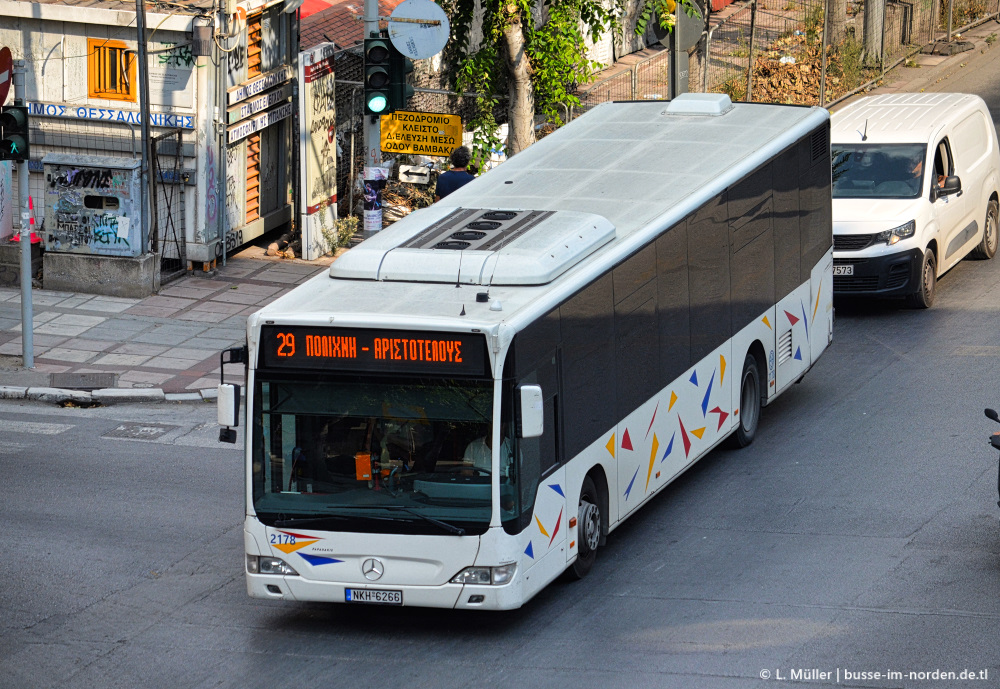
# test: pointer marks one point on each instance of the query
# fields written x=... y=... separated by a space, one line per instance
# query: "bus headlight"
x=894 y=235
x=259 y=564
x=485 y=576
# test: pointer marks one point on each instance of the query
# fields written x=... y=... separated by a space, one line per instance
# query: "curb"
x=104 y=396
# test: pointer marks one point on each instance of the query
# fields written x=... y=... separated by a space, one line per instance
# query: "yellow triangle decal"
x=673 y=398
x=292 y=547
x=815 y=308
x=722 y=365
x=611 y=445
x=540 y=527
x=698 y=432
x=766 y=322
x=652 y=458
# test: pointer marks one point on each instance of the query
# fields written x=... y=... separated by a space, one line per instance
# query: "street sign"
x=421 y=133
x=418 y=29
x=6 y=72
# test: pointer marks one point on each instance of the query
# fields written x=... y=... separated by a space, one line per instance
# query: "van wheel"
x=588 y=530
x=746 y=429
x=988 y=247
x=924 y=296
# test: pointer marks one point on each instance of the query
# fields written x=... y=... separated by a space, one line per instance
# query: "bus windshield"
x=889 y=171
x=373 y=455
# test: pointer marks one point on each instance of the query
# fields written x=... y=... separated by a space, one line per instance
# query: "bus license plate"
x=843 y=270
x=378 y=596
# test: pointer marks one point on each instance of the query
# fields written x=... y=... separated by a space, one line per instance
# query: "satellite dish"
x=419 y=29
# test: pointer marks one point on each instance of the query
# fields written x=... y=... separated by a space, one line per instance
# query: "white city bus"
x=601 y=310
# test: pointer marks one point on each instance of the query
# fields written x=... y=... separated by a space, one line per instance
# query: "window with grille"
x=111 y=70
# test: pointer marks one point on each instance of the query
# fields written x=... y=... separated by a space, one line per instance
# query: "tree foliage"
x=532 y=66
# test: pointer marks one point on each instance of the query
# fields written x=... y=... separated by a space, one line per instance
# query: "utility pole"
x=147 y=162
x=372 y=131
x=24 y=236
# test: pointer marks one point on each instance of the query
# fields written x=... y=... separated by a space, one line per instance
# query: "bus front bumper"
x=271 y=587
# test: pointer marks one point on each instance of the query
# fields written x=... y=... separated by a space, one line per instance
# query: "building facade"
x=221 y=116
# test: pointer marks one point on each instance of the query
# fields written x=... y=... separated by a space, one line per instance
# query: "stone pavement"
x=163 y=347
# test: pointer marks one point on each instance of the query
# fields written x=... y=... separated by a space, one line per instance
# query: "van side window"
x=943 y=166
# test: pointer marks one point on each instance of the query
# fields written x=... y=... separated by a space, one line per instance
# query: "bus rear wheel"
x=588 y=530
x=746 y=429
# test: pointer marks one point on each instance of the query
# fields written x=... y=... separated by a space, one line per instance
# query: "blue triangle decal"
x=316 y=560
x=798 y=354
x=704 y=402
x=694 y=377
x=557 y=488
x=805 y=319
x=529 y=552
x=631 y=483
x=670 y=446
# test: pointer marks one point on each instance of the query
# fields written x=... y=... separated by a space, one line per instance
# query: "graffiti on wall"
x=235 y=178
x=91 y=210
x=177 y=56
x=212 y=197
x=6 y=200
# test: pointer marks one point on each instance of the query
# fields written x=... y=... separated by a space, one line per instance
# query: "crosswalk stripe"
x=34 y=427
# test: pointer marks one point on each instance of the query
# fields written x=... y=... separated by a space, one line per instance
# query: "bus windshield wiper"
x=450 y=528
x=308 y=521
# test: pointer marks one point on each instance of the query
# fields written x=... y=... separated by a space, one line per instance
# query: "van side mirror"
x=228 y=411
x=952 y=185
x=532 y=419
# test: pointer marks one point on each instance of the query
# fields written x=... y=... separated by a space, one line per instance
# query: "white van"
x=915 y=179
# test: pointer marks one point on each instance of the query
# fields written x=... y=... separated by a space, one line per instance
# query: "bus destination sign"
x=389 y=351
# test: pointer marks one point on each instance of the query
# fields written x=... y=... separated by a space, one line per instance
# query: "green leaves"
x=555 y=48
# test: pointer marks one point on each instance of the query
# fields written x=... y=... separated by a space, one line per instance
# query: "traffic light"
x=14 y=132
x=377 y=51
x=400 y=89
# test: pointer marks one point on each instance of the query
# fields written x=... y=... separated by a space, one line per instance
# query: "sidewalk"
x=163 y=347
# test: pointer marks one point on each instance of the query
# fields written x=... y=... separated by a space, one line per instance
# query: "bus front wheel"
x=746 y=428
x=588 y=530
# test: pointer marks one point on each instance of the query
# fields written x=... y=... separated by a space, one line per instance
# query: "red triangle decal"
x=791 y=319
x=556 y=530
x=722 y=416
x=626 y=441
x=684 y=437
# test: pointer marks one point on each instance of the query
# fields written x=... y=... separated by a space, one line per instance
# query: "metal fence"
x=772 y=50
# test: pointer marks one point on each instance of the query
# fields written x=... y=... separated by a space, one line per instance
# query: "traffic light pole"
x=372 y=129
x=373 y=154
x=27 y=326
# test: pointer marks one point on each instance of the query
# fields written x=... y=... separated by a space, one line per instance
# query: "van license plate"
x=843 y=270
x=377 y=596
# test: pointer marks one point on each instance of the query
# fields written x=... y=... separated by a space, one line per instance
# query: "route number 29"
x=287 y=346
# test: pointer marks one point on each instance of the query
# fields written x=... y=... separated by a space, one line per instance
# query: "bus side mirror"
x=532 y=418
x=228 y=411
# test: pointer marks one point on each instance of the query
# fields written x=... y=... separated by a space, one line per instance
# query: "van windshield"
x=888 y=171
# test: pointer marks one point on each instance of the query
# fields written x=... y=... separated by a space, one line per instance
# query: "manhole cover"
x=82 y=381
x=139 y=431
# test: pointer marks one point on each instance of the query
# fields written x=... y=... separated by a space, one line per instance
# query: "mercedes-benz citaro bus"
x=469 y=402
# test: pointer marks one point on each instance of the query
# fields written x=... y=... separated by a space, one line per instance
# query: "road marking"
x=12 y=448
x=34 y=427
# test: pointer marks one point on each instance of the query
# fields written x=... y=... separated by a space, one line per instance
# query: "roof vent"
x=710 y=104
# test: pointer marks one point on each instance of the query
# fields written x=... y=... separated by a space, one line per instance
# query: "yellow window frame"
x=111 y=70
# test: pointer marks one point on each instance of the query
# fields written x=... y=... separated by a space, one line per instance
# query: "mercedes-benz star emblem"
x=372 y=568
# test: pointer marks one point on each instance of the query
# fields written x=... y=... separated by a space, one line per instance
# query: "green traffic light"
x=377 y=103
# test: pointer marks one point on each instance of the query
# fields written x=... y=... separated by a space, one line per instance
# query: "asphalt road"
x=858 y=534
